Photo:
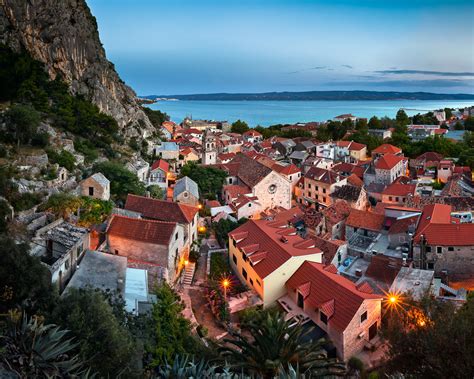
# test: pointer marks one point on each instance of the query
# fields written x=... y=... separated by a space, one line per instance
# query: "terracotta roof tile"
x=333 y=294
x=150 y=231
x=161 y=209
x=161 y=164
x=278 y=248
x=365 y=220
x=388 y=161
x=386 y=148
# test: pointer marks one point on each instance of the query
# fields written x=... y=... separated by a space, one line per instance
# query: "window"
x=396 y=199
x=428 y=249
x=430 y=266
x=176 y=236
x=324 y=199
x=230 y=180
x=250 y=204
x=176 y=252
x=244 y=273
x=258 y=282
x=309 y=185
x=300 y=301
x=324 y=190
x=234 y=258
x=390 y=198
x=309 y=194
x=439 y=249
x=363 y=317
x=450 y=248
x=91 y=191
x=323 y=317
x=251 y=282
x=316 y=188
x=116 y=252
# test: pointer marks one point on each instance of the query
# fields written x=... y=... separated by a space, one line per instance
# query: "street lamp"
x=225 y=284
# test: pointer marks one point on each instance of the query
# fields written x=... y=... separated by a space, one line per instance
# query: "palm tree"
x=273 y=345
x=30 y=349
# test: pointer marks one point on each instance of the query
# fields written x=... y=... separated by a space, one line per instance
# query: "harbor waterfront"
x=266 y=113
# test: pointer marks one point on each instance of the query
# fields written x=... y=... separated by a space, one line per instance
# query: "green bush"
x=355 y=363
x=219 y=266
x=24 y=201
x=63 y=158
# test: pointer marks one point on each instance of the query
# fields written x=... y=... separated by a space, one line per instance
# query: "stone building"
x=150 y=242
x=318 y=185
x=209 y=150
x=96 y=186
x=139 y=167
x=350 y=314
x=159 y=173
x=444 y=244
x=60 y=246
x=162 y=210
x=259 y=181
x=186 y=191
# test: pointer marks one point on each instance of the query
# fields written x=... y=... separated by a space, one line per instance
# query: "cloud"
x=307 y=69
x=425 y=72
x=440 y=83
x=347 y=66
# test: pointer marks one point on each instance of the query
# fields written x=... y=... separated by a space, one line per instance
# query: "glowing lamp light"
x=202 y=229
x=225 y=283
x=393 y=299
x=199 y=206
x=186 y=262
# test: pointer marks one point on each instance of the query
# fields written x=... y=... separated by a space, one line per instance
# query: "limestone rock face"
x=63 y=35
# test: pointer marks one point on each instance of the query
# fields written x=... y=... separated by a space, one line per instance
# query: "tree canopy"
x=431 y=339
x=122 y=181
x=103 y=341
x=24 y=281
x=209 y=179
x=239 y=127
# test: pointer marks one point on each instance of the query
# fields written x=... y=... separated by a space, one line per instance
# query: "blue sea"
x=267 y=113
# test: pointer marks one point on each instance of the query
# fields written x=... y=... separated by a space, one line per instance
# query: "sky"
x=166 y=47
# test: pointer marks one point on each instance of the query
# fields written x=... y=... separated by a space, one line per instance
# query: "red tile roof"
x=276 y=239
x=365 y=220
x=399 y=189
x=235 y=190
x=354 y=180
x=388 y=161
x=161 y=209
x=384 y=268
x=333 y=294
x=402 y=225
x=437 y=228
x=285 y=170
x=150 y=231
x=161 y=164
x=322 y=175
x=252 y=133
x=328 y=247
x=386 y=148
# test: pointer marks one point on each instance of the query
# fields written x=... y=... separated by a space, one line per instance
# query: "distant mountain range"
x=318 y=95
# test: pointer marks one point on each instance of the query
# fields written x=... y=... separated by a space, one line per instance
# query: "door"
x=373 y=330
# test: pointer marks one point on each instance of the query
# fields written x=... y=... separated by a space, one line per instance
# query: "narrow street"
x=196 y=293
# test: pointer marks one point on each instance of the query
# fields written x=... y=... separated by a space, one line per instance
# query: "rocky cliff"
x=63 y=35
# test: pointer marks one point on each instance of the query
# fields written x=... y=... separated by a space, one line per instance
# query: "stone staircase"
x=189 y=273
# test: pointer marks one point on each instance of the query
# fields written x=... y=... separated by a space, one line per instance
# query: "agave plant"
x=185 y=367
x=31 y=349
